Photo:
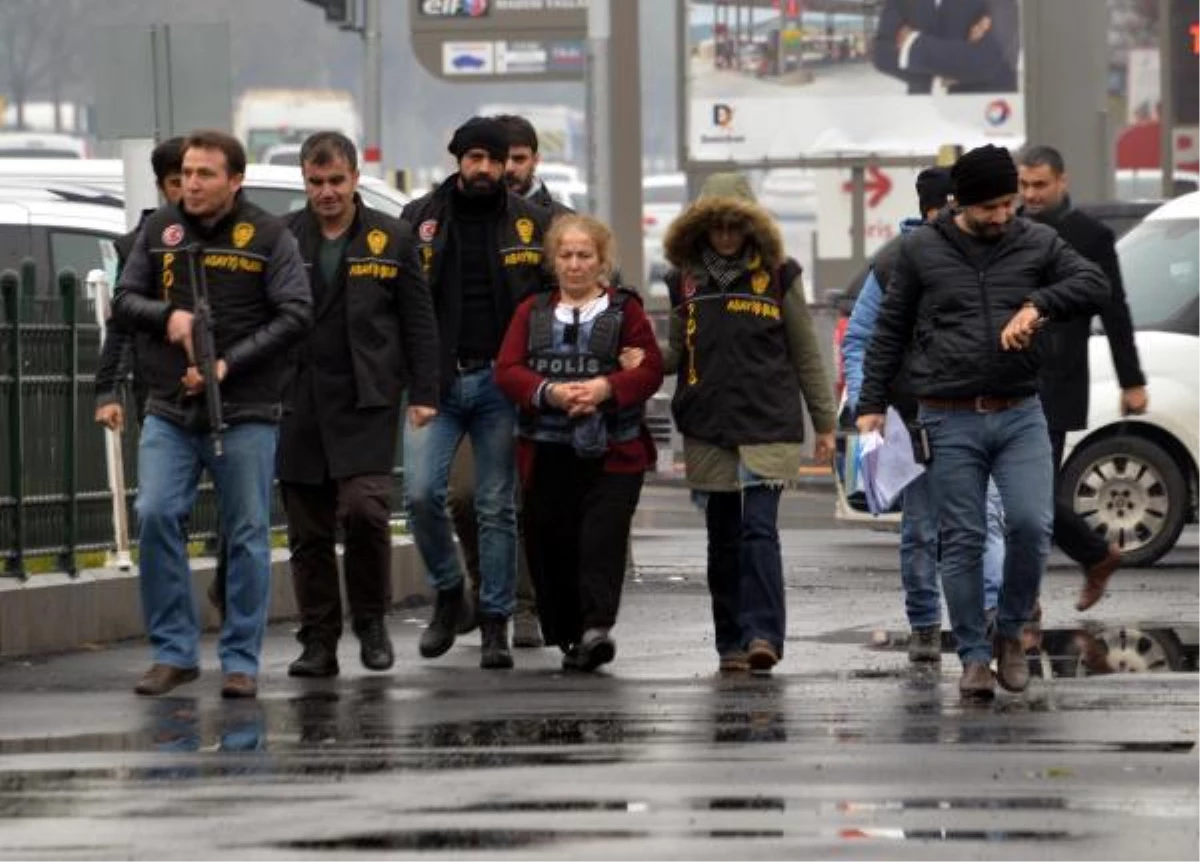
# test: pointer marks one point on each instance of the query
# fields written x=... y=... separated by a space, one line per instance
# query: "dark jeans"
x=460 y=500
x=578 y=518
x=1071 y=532
x=745 y=568
x=362 y=505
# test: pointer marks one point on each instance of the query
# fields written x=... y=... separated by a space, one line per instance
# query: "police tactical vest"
x=593 y=353
x=737 y=385
x=234 y=257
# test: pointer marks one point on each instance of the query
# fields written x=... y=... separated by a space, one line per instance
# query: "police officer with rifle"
x=259 y=307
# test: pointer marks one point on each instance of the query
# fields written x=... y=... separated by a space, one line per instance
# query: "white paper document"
x=889 y=466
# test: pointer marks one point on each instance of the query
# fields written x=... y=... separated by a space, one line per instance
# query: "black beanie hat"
x=983 y=174
x=933 y=188
x=483 y=133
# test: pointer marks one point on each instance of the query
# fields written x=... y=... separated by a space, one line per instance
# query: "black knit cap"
x=933 y=188
x=983 y=174
x=483 y=133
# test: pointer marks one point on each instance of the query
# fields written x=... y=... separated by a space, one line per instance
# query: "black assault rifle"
x=205 y=347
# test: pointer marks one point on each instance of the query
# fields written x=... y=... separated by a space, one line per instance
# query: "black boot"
x=494 y=636
x=318 y=659
x=376 y=647
x=448 y=610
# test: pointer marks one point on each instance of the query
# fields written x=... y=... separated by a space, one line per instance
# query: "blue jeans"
x=1013 y=447
x=473 y=406
x=170 y=459
x=919 y=553
x=745 y=567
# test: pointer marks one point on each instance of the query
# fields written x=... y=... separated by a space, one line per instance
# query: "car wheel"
x=1131 y=492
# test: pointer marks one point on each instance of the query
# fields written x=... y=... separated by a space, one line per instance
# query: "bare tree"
x=40 y=48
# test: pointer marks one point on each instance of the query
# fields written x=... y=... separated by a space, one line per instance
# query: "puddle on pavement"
x=980 y=835
x=1093 y=650
x=456 y=839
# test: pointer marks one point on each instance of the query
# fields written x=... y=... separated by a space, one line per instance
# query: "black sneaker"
x=595 y=649
x=448 y=610
x=317 y=660
x=494 y=635
x=376 y=646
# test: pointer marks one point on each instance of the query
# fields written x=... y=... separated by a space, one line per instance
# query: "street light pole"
x=1166 y=99
x=372 y=89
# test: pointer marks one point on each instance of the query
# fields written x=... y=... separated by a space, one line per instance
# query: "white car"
x=1140 y=184
x=41 y=145
x=276 y=188
x=57 y=233
x=559 y=173
x=663 y=198
x=1134 y=478
x=281 y=154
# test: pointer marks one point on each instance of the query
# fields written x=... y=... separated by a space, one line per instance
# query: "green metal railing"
x=55 y=498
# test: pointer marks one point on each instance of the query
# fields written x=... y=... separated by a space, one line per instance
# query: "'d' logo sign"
x=722 y=115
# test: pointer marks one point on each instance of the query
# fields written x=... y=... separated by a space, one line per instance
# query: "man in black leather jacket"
x=261 y=306
x=967 y=297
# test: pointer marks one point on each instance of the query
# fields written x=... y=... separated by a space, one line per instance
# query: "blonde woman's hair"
x=606 y=247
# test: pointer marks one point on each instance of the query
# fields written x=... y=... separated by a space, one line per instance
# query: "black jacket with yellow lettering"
x=517 y=260
x=374 y=333
x=737 y=385
x=260 y=301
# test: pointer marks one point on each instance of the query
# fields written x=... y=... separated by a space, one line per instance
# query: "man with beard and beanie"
x=261 y=307
x=918 y=521
x=481 y=248
x=520 y=174
x=967 y=297
x=374 y=335
x=1064 y=376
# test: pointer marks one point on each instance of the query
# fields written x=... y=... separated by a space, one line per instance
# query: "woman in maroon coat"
x=580 y=363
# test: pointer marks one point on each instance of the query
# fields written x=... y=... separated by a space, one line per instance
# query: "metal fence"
x=55 y=493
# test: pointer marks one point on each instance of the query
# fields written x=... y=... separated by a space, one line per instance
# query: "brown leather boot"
x=761 y=657
x=239 y=685
x=1097 y=576
x=1012 y=668
x=977 y=682
x=161 y=678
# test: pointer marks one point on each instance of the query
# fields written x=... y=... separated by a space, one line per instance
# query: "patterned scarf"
x=723 y=270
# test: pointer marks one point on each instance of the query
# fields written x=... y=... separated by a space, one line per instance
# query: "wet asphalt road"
x=846 y=752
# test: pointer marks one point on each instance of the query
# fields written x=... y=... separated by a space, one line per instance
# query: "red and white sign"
x=1187 y=148
x=889 y=197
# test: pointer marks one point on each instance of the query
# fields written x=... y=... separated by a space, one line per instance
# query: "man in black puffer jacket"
x=968 y=293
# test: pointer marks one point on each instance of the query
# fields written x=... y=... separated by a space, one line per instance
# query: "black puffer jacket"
x=953 y=312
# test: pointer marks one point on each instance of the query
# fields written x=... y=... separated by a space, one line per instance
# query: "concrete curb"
x=55 y=613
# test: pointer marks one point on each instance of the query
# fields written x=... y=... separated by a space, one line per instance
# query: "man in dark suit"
x=1064 y=375
x=971 y=46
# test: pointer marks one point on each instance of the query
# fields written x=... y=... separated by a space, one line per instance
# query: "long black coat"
x=1064 y=376
x=374 y=335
